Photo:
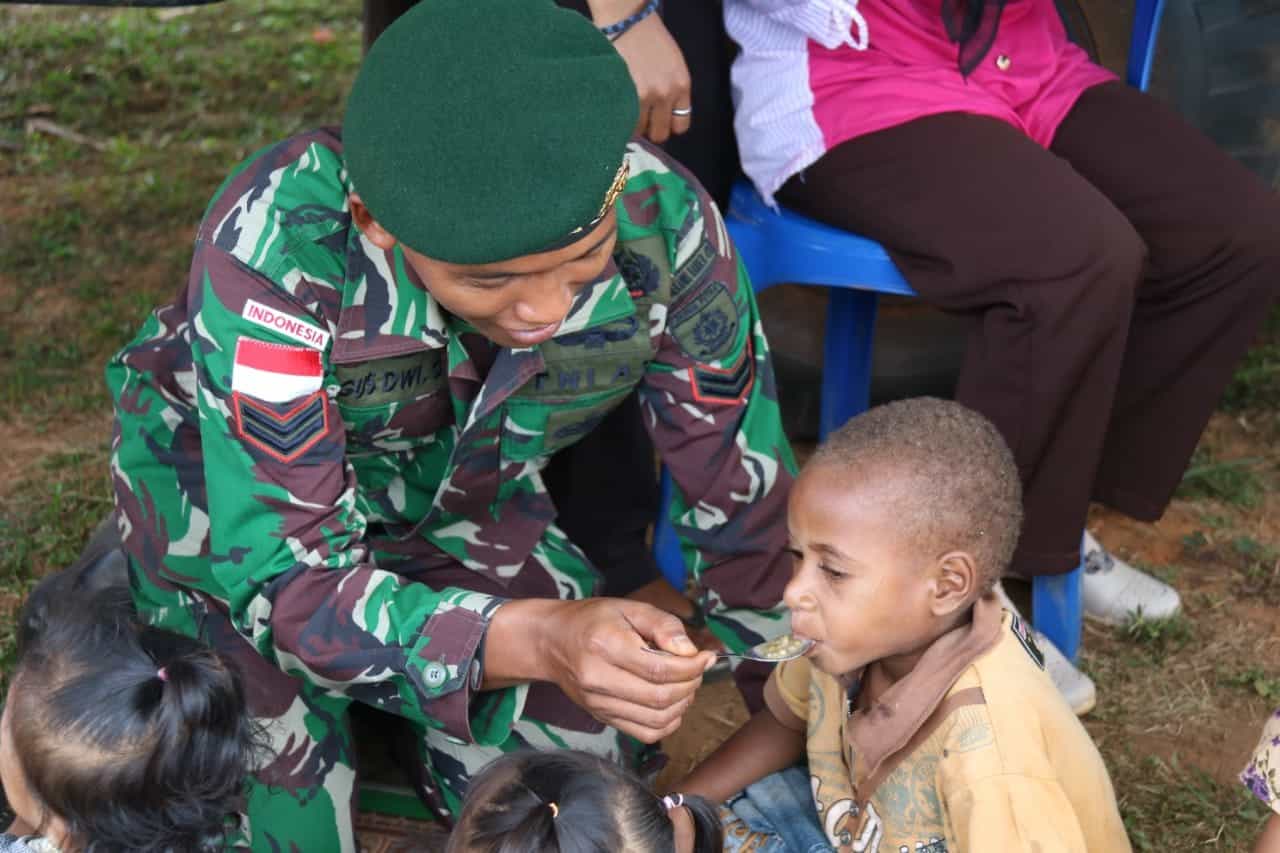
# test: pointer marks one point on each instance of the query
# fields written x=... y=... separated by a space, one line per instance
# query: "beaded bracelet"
x=613 y=31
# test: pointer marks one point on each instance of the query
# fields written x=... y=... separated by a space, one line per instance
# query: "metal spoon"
x=786 y=647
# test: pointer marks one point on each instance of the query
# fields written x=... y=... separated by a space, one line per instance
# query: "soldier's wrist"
x=516 y=644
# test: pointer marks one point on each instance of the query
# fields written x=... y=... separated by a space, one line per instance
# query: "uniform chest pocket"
x=394 y=404
x=533 y=428
x=587 y=375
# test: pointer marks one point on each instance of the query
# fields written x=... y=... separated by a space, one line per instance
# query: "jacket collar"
x=875 y=734
x=387 y=311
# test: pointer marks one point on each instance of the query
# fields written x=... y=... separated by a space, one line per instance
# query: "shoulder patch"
x=285 y=324
x=275 y=373
x=1023 y=633
x=706 y=326
x=282 y=432
x=693 y=269
x=724 y=385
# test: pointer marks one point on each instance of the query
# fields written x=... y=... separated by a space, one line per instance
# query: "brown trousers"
x=1112 y=282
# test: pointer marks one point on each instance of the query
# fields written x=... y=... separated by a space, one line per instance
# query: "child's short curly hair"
x=958 y=485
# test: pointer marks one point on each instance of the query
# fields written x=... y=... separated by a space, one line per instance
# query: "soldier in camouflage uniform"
x=328 y=447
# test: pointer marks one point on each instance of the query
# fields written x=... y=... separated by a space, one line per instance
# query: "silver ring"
x=682 y=112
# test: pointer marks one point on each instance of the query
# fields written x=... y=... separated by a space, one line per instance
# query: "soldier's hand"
x=598 y=650
x=661 y=76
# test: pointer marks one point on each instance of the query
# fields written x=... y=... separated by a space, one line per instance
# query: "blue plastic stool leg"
x=846 y=368
x=1056 y=609
x=666 y=545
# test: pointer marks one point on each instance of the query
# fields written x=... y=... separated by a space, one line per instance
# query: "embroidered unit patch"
x=274 y=372
x=284 y=434
x=706 y=326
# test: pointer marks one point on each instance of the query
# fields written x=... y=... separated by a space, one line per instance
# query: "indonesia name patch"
x=275 y=373
x=284 y=324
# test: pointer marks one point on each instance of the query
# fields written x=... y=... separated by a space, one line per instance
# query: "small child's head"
x=902 y=518
x=121 y=737
x=566 y=801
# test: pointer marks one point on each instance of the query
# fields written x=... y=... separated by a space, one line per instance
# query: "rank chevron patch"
x=724 y=385
x=283 y=435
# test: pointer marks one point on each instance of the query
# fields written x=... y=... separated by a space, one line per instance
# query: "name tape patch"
x=275 y=373
x=285 y=324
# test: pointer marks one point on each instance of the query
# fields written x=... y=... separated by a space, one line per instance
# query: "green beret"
x=483 y=130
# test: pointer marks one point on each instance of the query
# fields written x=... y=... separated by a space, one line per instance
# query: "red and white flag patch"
x=275 y=373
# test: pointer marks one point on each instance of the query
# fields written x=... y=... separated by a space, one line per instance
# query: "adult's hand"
x=596 y=651
x=657 y=66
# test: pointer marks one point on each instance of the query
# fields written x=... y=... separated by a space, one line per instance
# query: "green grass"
x=1233 y=481
x=1257 y=681
x=1257 y=380
x=44 y=523
x=101 y=236
x=1170 y=807
x=1158 y=637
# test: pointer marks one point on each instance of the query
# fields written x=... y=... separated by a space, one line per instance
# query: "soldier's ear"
x=369 y=226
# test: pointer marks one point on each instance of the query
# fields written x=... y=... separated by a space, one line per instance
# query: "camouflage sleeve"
x=711 y=406
x=287 y=541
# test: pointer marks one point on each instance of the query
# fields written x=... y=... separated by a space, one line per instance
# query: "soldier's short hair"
x=957 y=485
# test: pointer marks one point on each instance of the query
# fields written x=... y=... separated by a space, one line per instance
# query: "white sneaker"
x=1076 y=687
x=1113 y=591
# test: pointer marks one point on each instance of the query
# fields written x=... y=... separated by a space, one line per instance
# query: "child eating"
x=923 y=709
x=117 y=737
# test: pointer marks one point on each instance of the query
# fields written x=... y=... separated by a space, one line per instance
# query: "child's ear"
x=955 y=582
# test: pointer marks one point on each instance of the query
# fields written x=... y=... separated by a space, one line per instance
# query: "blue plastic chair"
x=784 y=247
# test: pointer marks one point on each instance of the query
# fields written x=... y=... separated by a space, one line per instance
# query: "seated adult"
x=329 y=445
x=1113 y=263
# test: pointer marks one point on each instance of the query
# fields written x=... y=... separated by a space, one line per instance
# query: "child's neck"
x=882 y=674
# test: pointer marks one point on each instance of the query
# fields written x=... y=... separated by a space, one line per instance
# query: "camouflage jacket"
x=307 y=441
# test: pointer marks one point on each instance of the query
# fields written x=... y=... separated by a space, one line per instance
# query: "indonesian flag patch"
x=280 y=407
x=275 y=373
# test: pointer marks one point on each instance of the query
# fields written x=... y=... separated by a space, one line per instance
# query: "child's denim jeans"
x=775 y=815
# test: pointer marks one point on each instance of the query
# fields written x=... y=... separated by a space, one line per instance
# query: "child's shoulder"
x=1012 y=710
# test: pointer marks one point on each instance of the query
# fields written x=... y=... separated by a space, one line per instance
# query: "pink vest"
x=814 y=74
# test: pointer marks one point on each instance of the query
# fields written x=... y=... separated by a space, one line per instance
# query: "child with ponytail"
x=566 y=801
x=119 y=737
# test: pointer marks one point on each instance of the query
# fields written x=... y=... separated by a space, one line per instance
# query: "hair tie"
x=162 y=674
x=673 y=801
x=555 y=810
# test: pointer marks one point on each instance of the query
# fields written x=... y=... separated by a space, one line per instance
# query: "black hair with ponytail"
x=567 y=801
x=137 y=738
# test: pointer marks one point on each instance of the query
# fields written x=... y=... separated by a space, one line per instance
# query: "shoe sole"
x=1085 y=707
x=1129 y=617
